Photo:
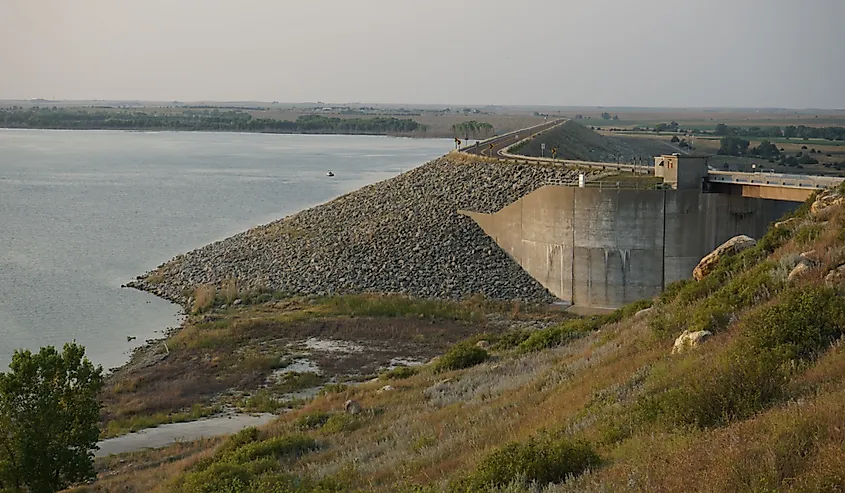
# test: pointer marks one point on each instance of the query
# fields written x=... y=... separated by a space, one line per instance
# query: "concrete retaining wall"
x=606 y=248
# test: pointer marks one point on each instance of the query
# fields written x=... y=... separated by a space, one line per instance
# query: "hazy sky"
x=748 y=53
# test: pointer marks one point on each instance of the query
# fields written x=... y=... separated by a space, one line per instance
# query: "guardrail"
x=606 y=185
x=633 y=168
x=508 y=134
x=775 y=179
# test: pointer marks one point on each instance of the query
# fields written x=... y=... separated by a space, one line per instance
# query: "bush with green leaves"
x=399 y=373
x=574 y=329
x=312 y=420
x=714 y=393
x=753 y=373
x=803 y=322
x=461 y=355
x=511 y=339
x=539 y=460
x=337 y=423
x=244 y=462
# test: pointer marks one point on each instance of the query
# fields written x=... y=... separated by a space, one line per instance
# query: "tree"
x=48 y=419
x=721 y=129
x=733 y=146
x=766 y=149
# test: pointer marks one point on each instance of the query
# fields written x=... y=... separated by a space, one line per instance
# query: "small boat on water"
x=329 y=173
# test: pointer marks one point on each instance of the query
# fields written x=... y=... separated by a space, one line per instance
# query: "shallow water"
x=82 y=212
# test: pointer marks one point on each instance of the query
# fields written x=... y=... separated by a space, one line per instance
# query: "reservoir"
x=82 y=212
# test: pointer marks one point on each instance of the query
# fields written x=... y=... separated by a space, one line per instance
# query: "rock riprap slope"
x=402 y=235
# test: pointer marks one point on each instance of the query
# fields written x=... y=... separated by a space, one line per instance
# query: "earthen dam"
x=606 y=247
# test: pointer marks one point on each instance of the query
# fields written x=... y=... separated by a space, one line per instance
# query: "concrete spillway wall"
x=606 y=248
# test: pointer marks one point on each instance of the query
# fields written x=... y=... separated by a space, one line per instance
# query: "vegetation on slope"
x=597 y=404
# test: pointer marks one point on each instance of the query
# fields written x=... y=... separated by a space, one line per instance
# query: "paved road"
x=172 y=433
x=499 y=143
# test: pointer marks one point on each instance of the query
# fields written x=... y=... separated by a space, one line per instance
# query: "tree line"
x=473 y=130
x=207 y=120
x=737 y=146
x=789 y=132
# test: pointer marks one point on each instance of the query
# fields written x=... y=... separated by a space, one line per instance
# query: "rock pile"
x=401 y=235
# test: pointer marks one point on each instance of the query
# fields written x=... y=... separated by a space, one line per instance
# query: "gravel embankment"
x=402 y=235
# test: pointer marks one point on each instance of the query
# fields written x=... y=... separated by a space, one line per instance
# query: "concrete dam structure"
x=605 y=248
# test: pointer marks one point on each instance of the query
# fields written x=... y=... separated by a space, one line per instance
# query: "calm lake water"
x=82 y=212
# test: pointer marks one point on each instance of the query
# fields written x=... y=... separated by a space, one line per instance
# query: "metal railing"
x=779 y=180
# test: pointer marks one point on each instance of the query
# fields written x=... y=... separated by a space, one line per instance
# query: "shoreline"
x=210 y=131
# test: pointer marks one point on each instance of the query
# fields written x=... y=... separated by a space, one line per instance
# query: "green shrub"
x=774 y=238
x=540 y=460
x=803 y=322
x=554 y=336
x=341 y=422
x=461 y=355
x=313 y=420
x=278 y=448
x=293 y=381
x=749 y=288
x=238 y=440
x=333 y=388
x=574 y=329
x=808 y=234
x=734 y=386
x=399 y=373
x=511 y=339
x=727 y=268
x=241 y=461
x=709 y=304
x=753 y=373
x=263 y=401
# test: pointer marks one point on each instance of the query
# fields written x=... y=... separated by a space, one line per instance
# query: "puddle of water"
x=333 y=346
x=175 y=432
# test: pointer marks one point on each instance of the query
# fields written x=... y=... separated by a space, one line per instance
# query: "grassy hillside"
x=592 y=404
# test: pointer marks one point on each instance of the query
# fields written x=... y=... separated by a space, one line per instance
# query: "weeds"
x=247 y=463
x=399 y=373
x=312 y=420
x=204 y=296
x=575 y=329
x=539 y=461
x=461 y=355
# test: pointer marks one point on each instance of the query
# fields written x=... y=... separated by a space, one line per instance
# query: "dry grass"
x=204 y=297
